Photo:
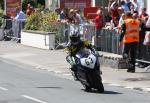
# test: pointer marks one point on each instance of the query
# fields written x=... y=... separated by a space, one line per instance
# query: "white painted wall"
x=38 y=40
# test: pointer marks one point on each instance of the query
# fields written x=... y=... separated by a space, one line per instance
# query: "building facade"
x=53 y=4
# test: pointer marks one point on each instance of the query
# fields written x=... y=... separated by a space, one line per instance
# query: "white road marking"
x=146 y=89
x=33 y=99
x=58 y=72
x=115 y=85
x=2 y=88
x=67 y=74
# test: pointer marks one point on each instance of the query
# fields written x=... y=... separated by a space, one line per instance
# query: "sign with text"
x=11 y=6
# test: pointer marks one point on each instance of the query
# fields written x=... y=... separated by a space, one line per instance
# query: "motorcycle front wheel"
x=98 y=81
x=86 y=87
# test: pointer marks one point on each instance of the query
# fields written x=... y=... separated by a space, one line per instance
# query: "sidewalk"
x=54 y=61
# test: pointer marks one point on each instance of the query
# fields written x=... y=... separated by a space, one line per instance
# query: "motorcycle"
x=87 y=69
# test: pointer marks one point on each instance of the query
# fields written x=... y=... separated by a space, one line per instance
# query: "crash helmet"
x=74 y=36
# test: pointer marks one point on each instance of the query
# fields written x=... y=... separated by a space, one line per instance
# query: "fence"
x=11 y=29
x=107 y=40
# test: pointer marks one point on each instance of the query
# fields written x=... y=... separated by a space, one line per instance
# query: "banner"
x=11 y=6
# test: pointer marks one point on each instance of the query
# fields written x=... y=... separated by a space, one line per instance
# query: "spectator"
x=124 y=6
x=98 y=25
x=113 y=10
x=142 y=48
x=20 y=15
x=28 y=10
x=73 y=18
x=130 y=38
x=20 y=18
x=128 y=3
x=132 y=8
x=143 y=15
x=114 y=23
x=107 y=15
x=121 y=20
x=78 y=14
x=62 y=14
x=134 y=2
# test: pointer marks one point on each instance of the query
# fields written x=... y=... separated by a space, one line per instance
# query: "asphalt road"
x=25 y=84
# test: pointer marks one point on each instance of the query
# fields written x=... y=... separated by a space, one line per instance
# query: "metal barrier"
x=107 y=40
x=12 y=29
x=87 y=31
x=61 y=35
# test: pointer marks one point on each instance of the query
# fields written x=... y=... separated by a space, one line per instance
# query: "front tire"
x=86 y=87
x=98 y=81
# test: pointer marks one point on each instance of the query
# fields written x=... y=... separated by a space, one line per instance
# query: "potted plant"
x=40 y=31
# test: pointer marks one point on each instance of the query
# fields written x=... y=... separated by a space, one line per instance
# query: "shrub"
x=49 y=22
x=34 y=22
x=43 y=22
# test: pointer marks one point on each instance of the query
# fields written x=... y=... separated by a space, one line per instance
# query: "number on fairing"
x=88 y=61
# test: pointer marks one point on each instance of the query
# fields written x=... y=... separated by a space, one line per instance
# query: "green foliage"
x=2 y=4
x=34 y=22
x=49 y=22
x=42 y=2
x=46 y=22
x=43 y=22
x=40 y=7
x=1 y=19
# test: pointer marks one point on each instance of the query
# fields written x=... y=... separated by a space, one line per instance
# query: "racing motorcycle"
x=87 y=69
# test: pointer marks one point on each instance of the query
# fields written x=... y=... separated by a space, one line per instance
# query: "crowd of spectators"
x=117 y=13
x=72 y=16
x=117 y=10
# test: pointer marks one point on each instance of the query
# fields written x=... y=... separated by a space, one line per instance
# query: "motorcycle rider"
x=75 y=44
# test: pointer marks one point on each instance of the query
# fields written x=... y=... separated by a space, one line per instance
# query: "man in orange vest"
x=130 y=38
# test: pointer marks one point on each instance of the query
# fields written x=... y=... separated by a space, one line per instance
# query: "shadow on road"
x=50 y=87
x=105 y=92
x=111 y=92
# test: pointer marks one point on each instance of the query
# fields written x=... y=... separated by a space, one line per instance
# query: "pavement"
x=54 y=61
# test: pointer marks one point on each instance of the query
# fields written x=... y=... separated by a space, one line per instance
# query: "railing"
x=12 y=29
x=108 y=40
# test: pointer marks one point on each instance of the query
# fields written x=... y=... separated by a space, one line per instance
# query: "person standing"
x=28 y=10
x=99 y=22
x=20 y=20
x=130 y=37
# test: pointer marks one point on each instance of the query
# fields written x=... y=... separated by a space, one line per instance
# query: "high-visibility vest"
x=132 y=31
